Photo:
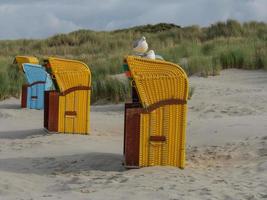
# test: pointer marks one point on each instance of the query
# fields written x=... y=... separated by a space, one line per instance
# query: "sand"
x=226 y=150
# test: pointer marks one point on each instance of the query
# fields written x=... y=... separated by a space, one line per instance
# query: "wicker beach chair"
x=155 y=124
x=67 y=109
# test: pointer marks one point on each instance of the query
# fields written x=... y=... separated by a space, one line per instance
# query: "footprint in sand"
x=217 y=181
x=209 y=111
x=205 y=191
x=262 y=167
x=117 y=179
x=4 y=115
x=87 y=190
x=262 y=152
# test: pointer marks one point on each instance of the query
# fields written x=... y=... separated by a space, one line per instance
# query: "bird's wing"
x=159 y=57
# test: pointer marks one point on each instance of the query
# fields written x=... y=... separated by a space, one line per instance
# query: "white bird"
x=140 y=46
x=159 y=57
x=151 y=55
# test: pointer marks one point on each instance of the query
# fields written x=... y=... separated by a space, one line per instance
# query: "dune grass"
x=201 y=51
x=108 y=89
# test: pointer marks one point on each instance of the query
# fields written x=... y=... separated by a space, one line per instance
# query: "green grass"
x=199 y=50
x=4 y=93
x=191 y=92
x=107 y=89
x=15 y=80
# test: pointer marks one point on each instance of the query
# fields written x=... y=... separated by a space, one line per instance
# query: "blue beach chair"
x=38 y=82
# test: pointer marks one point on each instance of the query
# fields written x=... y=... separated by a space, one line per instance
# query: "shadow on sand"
x=108 y=108
x=76 y=163
x=22 y=134
x=10 y=106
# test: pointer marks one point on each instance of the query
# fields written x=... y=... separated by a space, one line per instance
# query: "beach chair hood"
x=25 y=59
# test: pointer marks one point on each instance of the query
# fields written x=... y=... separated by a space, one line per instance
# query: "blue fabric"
x=35 y=95
x=49 y=83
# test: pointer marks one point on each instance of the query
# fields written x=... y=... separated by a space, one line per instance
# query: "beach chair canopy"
x=36 y=73
x=158 y=81
x=70 y=74
x=25 y=59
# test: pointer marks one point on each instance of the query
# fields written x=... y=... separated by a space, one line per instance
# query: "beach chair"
x=38 y=81
x=155 y=122
x=67 y=109
x=19 y=60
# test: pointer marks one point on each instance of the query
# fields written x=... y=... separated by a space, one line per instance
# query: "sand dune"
x=226 y=150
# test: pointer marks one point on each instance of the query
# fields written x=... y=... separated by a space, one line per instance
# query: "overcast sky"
x=43 y=18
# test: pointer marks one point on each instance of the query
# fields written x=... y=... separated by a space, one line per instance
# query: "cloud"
x=43 y=18
x=18 y=21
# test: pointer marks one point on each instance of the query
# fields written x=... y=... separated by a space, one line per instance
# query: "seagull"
x=159 y=57
x=140 y=46
x=151 y=55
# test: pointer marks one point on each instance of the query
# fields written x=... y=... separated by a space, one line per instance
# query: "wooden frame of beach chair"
x=67 y=109
x=154 y=130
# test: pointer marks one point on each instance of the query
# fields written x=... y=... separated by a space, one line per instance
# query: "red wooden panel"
x=71 y=113
x=132 y=136
x=46 y=108
x=24 y=96
x=51 y=111
x=157 y=138
x=126 y=106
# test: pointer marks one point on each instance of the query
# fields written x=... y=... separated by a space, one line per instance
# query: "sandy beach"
x=226 y=150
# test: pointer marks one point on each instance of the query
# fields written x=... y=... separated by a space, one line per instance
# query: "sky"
x=44 y=18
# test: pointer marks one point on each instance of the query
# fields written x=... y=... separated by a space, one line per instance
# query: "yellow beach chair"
x=25 y=59
x=67 y=110
x=154 y=131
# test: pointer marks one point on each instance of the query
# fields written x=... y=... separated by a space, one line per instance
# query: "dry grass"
x=202 y=51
